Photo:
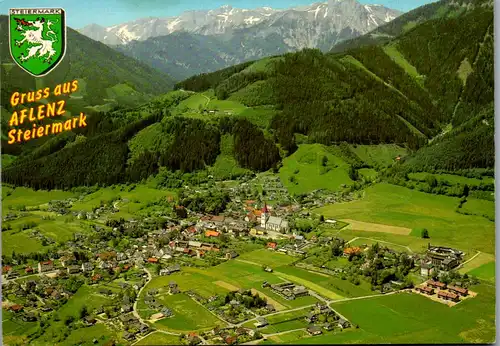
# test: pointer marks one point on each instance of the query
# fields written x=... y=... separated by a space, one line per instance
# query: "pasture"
x=267 y=257
x=21 y=196
x=484 y=272
x=307 y=170
x=382 y=155
x=137 y=196
x=395 y=205
x=411 y=318
x=477 y=261
x=159 y=338
x=479 y=207
x=188 y=315
x=328 y=286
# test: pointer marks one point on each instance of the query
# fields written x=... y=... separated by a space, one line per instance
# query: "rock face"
x=228 y=35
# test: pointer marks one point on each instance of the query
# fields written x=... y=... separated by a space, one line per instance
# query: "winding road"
x=134 y=311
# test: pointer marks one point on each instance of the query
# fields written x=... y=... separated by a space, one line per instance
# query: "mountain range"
x=227 y=35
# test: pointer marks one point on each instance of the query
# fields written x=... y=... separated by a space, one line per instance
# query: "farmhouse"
x=45 y=266
x=425 y=289
x=426 y=269
x=87 y=267
x=16 y=308
x=211 y=234
x=343 y=323
x=436 y=284
x=261 y=322
x=448 y=296
x=352 y=251
x=458 y=290
x=272 y=245
x=314 y=330
x=173 y=288
x=73 y=269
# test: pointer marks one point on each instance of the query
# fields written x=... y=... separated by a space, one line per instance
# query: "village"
x=34 y=289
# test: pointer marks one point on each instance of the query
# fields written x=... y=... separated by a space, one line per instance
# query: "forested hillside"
x=429 y=90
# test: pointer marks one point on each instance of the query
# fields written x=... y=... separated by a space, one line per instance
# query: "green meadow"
x=378 y=155
x=159 y=338
x=304 y=171
x=484 y=272
x=21 y=196
x=188 y=315
x=329 y=286
x=412 y=318
x=398 y=206
x=267 y=257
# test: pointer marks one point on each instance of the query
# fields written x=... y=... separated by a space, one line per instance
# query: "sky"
x=110 y=12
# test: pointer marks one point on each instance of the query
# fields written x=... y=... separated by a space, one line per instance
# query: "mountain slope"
x=409 y=20
x=385 y=94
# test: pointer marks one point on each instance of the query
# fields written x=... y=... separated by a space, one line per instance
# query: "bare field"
x=376 y=227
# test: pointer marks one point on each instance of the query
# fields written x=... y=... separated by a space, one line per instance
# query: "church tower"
x=264 y=216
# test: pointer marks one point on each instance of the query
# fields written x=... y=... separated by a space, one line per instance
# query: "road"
x=276 y=313
x=329 y=302
x=134 y=311
x=4 y=281
x=208 y=99
x=460 y=266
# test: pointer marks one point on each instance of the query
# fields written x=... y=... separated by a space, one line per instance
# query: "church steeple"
x=264 y=216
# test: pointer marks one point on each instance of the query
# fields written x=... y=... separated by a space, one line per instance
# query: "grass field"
x=267 y=257
x=138 y=198
x=479 y=207
x=368 y=173
x=22 y=241
x=399 y=59
x=21 y=196
x=479 y=260
x=394 y=205
x=411 y=318
x=378 y=155
x=85 y=336
x=451 y=178
x=327 y=286
x=303 y=171
x=484 y=272
x=159 y=338
x=188 y=315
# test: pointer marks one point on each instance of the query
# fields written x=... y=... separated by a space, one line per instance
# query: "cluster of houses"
x=324 y=310
x=231 y=335
x=132 y=326
x=287 y=290
x=444 y=291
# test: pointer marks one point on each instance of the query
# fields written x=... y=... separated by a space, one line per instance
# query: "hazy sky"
x=109 y=12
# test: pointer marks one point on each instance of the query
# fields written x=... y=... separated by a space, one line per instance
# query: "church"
x=272 y=223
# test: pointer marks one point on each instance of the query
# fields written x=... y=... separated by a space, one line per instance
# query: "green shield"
x=37 y=38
